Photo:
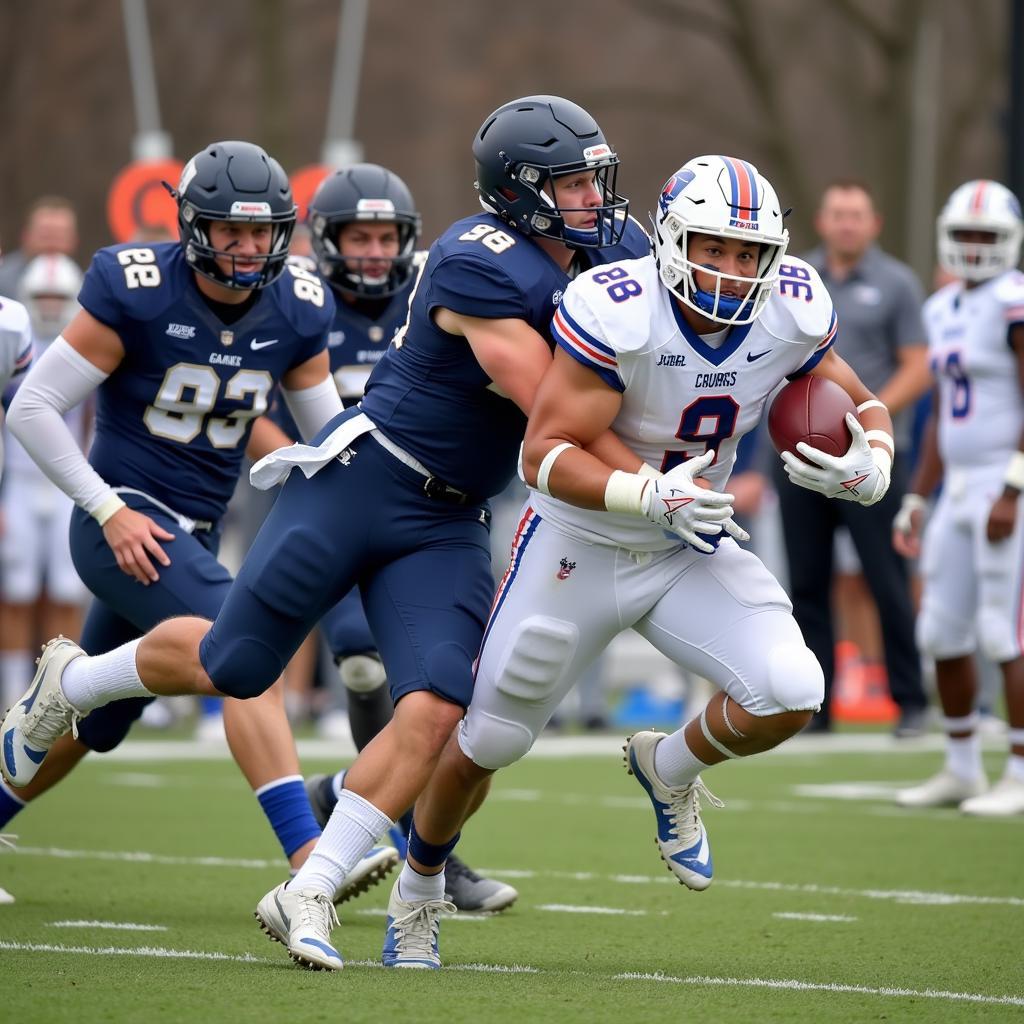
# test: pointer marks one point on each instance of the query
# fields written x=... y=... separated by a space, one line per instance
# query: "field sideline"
x=135 y=883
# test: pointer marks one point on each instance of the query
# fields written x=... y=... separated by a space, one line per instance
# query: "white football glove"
x=903 y=521
x=680 y=506
x=861 y=475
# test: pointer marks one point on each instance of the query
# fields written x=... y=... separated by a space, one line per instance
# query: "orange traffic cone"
x=860 y=693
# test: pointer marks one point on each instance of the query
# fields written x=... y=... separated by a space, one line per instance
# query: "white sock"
x=1015 y=768
x=351 y=832
x=675 y=762
x=16 y=673
x=963 y=757
x=90 y=683
x=416 y=888
x=338 y=782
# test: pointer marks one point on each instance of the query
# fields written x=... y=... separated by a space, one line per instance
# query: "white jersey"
x=680 y=396
x=981 y=410
x=15 y=341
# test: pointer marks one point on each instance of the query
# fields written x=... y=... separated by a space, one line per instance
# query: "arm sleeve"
x=60 y=380
x=577 y=331
x=312 y=408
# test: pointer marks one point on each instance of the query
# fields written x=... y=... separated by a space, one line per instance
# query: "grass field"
x=828 y=904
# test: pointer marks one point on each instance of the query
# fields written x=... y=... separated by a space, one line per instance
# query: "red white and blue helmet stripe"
x=745 y=198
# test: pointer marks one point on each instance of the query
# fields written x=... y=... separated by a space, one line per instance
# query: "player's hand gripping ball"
x=813 y=410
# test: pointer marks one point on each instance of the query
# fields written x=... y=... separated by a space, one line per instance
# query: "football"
x=813 y=410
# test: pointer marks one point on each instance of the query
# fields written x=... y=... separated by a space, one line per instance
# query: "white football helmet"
x=724 y=196
x=49 y=289
x=980 y=206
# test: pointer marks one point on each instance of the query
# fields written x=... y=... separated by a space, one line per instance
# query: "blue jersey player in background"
x=393 y=497
x=364 y=226
x=183 y=344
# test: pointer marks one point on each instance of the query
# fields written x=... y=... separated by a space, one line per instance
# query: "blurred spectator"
x=878 y=302
x=51 y=226
x=40 y=592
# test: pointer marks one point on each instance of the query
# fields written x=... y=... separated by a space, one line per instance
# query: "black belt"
x=437 y=490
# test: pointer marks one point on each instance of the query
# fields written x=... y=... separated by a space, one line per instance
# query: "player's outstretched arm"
x=863 y=473
x=71 y=368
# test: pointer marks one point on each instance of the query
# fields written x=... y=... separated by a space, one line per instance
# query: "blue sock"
x=286 y=806
x=9 y=805
x=211 y=706
x=429 y=854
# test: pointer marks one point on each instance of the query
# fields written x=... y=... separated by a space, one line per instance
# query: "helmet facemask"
x=979 y=261
x=346 y=273
x=203 y=257
x=678 y=272
x=980 y=206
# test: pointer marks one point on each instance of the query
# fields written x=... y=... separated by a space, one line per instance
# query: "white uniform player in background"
x=972 y=550
x=35 y=557
x=15 y=359
x=678 y=353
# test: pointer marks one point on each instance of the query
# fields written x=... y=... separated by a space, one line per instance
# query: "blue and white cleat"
x=302 y=922
x=372 y=869
x=40 y=718
x=682 y=839
x=412 y=931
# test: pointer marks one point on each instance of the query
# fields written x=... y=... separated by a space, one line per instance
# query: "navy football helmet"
x=234 y=181
x=372 y=194
x=525 y=144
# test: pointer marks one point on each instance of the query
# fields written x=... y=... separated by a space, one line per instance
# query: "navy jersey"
x=173 y=419
x=429 y=394
x=356 y=343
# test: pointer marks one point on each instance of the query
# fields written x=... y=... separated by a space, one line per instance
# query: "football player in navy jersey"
x=183 y=344
x=393 y=496
x=364 y=227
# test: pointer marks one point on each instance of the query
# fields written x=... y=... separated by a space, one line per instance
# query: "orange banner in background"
x=139 y=208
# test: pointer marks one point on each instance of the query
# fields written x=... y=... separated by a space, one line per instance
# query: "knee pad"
x=535 y=658
x=795 y=677
x=943 y=636
x=995 y=634
x=493 y=742
x=361 y=673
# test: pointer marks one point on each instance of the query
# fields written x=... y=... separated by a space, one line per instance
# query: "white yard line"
x=609 y=745
x=790 y=984
x=243 y=958
x=793 y=916
x=810 y=889
x=566 y=908
x=158 y=951
x=810 y=986
x=122 y=926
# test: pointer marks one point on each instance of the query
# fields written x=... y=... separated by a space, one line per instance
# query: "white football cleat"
x=942 y=790
x=1003 y=800
x=372 y=868
x=682 y=839
x=302 y=922
x=411 y=939
x=41 y=717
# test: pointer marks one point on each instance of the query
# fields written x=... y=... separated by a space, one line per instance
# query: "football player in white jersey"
x=677 y=353
x=35 y=556
x=15 y=350
x=972 y=550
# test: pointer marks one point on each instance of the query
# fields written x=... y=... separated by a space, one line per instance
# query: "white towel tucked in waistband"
x=272 y=469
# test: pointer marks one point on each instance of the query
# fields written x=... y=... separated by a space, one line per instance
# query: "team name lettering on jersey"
x=715 y=380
